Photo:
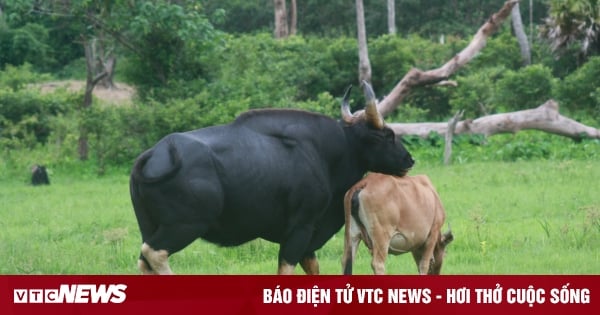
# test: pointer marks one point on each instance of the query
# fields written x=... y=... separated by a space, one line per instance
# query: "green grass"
x=540 y=217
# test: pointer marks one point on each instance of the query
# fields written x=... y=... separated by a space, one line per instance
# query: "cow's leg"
x=417 y=256
x=438 y=258
x=310 y=264
x=380 y=252
x=381 y=245
x=425 y=256
x=351 y=242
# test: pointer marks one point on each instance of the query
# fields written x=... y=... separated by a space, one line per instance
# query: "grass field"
x=539 y=217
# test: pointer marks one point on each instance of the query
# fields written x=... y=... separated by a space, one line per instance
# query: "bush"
x=475 y=92
x=524 y=88
x=16 y=78
x=500 y=50
x=26 y=114
x=579 y=90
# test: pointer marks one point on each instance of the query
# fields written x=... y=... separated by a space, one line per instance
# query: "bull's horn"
x=373 y=115
x=346 y=113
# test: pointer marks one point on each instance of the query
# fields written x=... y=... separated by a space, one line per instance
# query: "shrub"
x=27 y=44
x=475 y=92
x=16 y=78
x=26 y=114
x=579 y=90
x=524 y=88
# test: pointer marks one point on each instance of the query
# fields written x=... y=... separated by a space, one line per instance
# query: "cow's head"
x=379 y=147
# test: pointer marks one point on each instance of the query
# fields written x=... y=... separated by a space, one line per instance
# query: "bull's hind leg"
x=158 y=260
x=166 y=241
x=144 y=267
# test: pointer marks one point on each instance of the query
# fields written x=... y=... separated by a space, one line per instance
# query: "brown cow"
x=395 y=215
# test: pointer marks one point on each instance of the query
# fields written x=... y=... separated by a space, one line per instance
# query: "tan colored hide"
x=395 y=215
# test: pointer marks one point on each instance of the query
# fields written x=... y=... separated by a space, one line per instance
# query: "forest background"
x=159 y=66
x=193 y=64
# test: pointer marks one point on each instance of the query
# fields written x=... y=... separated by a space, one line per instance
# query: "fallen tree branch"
x=545 y=117
x=448 y=138
x=416 y=77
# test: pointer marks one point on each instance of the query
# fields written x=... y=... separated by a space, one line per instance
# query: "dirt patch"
x=122 y=94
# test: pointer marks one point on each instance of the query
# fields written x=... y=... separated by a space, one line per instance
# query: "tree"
x=391 y=11
x=573 y=22
x=92 y=79
x=517 y=24
x=364 y=65
x=545 y=117
x=281 y=24
x=294 y=21
x=282 y=29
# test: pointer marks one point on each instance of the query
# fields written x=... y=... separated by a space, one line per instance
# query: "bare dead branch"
x=416 y=77
x=545 y=117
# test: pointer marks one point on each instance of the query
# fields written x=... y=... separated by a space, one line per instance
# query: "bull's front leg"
x=292 y=249
x=310 y=264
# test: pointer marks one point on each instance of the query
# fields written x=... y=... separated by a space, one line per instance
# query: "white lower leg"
x=158 y=259
x=144 y=268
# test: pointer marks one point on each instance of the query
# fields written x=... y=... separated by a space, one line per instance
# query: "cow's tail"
x=137 y=173
x=447 y=237
x=351 y=208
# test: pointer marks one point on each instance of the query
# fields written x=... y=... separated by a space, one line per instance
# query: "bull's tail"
x=137 y=173
x=146 y=225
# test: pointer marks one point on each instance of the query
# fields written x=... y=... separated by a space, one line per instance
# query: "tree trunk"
x=517 y=24
x=108 y=66
x=90 y=83
x=448 y=138
x=281 y=25
x=364 y=65
x=294 y=22
x=545 y=117
x=391 y=14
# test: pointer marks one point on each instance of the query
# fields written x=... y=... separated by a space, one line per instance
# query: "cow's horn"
x=373 y=115
x=346 y=113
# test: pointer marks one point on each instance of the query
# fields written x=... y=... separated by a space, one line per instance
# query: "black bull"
x=280 y=175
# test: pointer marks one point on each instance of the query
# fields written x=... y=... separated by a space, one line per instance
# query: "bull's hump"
x=260 y=115
x=287 y=125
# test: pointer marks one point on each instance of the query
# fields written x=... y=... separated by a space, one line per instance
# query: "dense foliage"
x=190 y=74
